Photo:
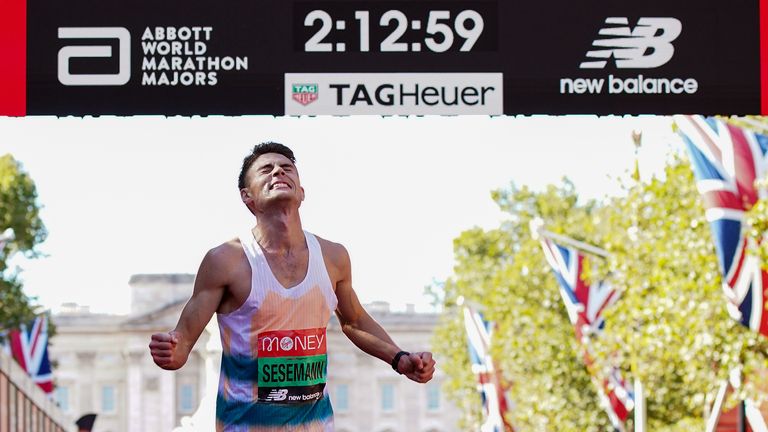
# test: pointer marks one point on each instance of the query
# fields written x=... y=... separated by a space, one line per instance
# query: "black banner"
x=392 y=57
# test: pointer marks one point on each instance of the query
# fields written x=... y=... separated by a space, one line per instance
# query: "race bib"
x=293 y=365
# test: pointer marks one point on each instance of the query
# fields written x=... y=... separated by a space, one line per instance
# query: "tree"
x=504 y=270
x=670 y=328
x=19 y=210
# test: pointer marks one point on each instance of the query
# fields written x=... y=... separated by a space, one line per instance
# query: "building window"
x=341 y=397
x=433 y=396
x=186 y=398
x=62 y=397
x=107 y=399
x=387 y=397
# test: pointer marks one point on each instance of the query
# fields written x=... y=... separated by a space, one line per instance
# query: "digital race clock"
x=392 y=27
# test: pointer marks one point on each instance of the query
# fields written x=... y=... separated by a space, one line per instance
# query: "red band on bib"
x=291 y=343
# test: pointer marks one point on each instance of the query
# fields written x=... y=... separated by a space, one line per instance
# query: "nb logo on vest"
x=277 y=395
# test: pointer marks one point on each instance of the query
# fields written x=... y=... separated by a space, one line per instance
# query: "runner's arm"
x=359 y=326
x=171 y=350
x=367 y=334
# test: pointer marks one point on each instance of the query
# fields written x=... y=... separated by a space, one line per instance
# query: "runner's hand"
x=163 y=348
x=417 y=367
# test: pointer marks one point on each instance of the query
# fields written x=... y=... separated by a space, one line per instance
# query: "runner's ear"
x=245 y=196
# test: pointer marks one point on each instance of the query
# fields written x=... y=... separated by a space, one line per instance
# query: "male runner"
x=274 y=290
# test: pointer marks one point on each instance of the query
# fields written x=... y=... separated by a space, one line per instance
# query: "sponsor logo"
x=305 y=397
x=648 y=45
x=286 y=344
x=304 y=94
x=633 y=85
x=398 y=93
x=67 y=53
x=172 y=56
x=179 y=56
x=296 y=344
x=277 y=395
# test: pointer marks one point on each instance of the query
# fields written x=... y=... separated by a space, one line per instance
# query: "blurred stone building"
x=103 y=366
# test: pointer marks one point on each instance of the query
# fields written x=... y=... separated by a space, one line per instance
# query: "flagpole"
x=717 y=407
x=640 y=412
x=537 y=230
x=639 y=409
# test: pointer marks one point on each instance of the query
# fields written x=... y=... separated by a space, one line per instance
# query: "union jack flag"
x=29 y=346
x=585 y=304
x=492 y=392
x=726 y=162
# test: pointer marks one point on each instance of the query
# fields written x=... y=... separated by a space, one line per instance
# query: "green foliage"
x=504 y=270
x=670 y=327
x=18 y=210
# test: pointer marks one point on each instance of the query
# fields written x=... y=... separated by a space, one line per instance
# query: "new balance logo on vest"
x=277 y=395
x=647 y=45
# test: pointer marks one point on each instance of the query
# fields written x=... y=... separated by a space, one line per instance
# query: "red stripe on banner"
x=13 y=57
x=764 y=57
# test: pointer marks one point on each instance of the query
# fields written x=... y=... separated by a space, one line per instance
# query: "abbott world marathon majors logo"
x=393 y=93
x=171 y=56
x=647 y=45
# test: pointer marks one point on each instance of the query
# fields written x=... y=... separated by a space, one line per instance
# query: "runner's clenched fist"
x=165 y=352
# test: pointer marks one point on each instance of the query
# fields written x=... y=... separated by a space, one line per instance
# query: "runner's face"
x=273 y=177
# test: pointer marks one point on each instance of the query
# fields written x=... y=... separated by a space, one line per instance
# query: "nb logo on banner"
x=648 y=45
x=67 y=53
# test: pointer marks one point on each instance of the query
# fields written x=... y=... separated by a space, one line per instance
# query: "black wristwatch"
x=396 y=360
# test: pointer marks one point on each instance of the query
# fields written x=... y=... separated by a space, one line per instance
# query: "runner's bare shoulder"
x=224 y=257
x=335 y=255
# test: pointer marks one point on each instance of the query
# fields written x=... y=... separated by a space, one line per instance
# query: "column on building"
x=87 y=390
x=167 y=401
x=134 y=390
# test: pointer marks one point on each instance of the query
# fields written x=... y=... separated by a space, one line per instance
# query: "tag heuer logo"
x=304 y=94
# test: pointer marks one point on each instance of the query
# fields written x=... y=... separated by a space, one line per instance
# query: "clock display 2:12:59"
x=394 y=27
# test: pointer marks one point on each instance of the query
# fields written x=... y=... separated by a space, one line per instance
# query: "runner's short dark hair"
x=258 y=150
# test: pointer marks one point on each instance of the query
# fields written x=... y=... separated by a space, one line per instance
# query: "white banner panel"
x=394 y=93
